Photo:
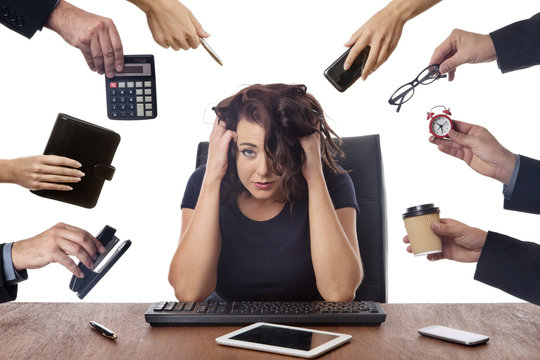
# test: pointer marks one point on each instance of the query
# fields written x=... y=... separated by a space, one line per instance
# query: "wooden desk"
x=61 y=331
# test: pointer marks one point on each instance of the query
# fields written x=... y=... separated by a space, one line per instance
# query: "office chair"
x=364 y=162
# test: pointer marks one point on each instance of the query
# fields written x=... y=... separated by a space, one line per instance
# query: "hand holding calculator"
x=131 y=94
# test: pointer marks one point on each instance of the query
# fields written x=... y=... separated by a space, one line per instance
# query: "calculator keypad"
x=130 y=99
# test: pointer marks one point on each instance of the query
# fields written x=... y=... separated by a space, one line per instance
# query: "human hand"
x=381 y=32
x=459 y=241
x=218 y=151
x=463 y=47
x=54 y=245
x=95 y=36
x=172 y=24
x=312 y=162
x=479 y=149
x=43 y=172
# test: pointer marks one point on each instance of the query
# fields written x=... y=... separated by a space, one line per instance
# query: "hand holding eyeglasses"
x=405 y=92
x=463 y=47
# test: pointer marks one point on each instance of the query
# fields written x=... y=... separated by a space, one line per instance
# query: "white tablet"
x=281 y=339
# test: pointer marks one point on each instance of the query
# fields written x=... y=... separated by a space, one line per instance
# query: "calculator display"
x=129 y=70
x=131 y=94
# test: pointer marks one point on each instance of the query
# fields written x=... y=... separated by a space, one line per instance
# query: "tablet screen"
x=288 y=338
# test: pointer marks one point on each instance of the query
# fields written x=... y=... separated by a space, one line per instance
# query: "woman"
x=271 y=216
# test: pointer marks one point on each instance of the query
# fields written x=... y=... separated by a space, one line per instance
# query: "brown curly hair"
x=287 y=113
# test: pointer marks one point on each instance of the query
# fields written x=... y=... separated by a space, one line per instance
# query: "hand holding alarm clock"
x=440 y=124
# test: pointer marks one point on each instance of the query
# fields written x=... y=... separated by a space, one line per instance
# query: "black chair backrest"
x=363 y=160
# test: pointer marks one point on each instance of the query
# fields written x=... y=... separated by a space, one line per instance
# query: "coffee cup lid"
x=421 y=210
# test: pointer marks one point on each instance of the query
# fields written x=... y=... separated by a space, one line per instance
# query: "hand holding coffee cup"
x=417 y=222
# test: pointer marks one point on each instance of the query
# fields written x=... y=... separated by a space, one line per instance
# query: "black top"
x=268 y=260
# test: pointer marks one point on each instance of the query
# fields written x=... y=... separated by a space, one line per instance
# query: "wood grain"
x=62 y=331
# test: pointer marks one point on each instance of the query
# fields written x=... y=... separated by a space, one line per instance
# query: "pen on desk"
x=104 y=331
x=210 y=51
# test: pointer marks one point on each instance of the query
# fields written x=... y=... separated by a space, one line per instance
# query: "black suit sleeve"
x=26 y=16
x=526 y=193
x=511 y=265
x=7 y=293
x=518 y=45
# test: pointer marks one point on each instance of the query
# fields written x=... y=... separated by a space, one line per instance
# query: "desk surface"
x=61 y=331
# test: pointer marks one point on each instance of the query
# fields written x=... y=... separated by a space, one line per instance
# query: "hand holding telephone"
x=453 y=335
x=342 y=79
x=82 y=286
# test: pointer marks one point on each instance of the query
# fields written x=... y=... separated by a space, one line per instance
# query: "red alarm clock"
x=440 y=124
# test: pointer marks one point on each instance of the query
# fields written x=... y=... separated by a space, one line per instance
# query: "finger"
x=72 y=248
x=175 y=46
x=383 y=56
x=59 y=171
x=354 y=37
x=60 y=161
x=355 y=50
x=451 y=75
x=462 y=138
x=58 y=179
x=462 y=126
x=84 y=237
x=182 y=42
x=87 y=53
x=198 y=27
x=69 y=264
x=193 y=39
x=97 y=55
x=445 y=229
x=372 y=58
x=117 y=47
x=435 y=257
x=50 y=186
x=406 y=239
x=442 y=51
x=409 y=249
x=108 y=53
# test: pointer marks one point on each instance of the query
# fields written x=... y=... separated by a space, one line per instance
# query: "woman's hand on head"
x=218 y=150
x=312 y=163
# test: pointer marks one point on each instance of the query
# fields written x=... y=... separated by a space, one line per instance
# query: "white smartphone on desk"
x=282 y=339
x=454 y=335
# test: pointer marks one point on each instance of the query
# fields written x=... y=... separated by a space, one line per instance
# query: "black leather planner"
x=91 y=145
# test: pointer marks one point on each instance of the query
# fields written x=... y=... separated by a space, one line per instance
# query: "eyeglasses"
x=405 y=92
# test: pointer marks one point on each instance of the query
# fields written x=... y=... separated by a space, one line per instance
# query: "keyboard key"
x=160 y=305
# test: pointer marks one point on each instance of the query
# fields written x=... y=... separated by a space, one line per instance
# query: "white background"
x=265 y=42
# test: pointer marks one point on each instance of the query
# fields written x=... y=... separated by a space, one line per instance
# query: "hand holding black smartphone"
x=342 y=79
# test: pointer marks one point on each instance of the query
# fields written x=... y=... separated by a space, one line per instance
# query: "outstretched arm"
x=193 y=270
x=94 y=35
x=171 y=23
x=479 y=149
x=41 y=172
x=382 y=32
x=334 y=245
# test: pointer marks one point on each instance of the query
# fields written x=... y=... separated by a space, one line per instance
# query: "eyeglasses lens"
x=429 y=75
x=403 y=94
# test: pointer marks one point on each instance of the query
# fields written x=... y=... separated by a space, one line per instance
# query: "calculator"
x=131 y=94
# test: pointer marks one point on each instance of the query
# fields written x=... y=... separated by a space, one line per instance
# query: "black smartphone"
x=342 y=79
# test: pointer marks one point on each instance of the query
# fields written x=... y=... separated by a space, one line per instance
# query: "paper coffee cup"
x=422 y=239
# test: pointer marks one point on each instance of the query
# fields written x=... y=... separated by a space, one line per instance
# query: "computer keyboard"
x=246 y=312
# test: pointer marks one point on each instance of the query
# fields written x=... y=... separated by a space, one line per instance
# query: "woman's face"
x=252 y=165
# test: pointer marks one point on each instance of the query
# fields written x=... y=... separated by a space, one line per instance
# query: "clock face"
x=440 y=125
